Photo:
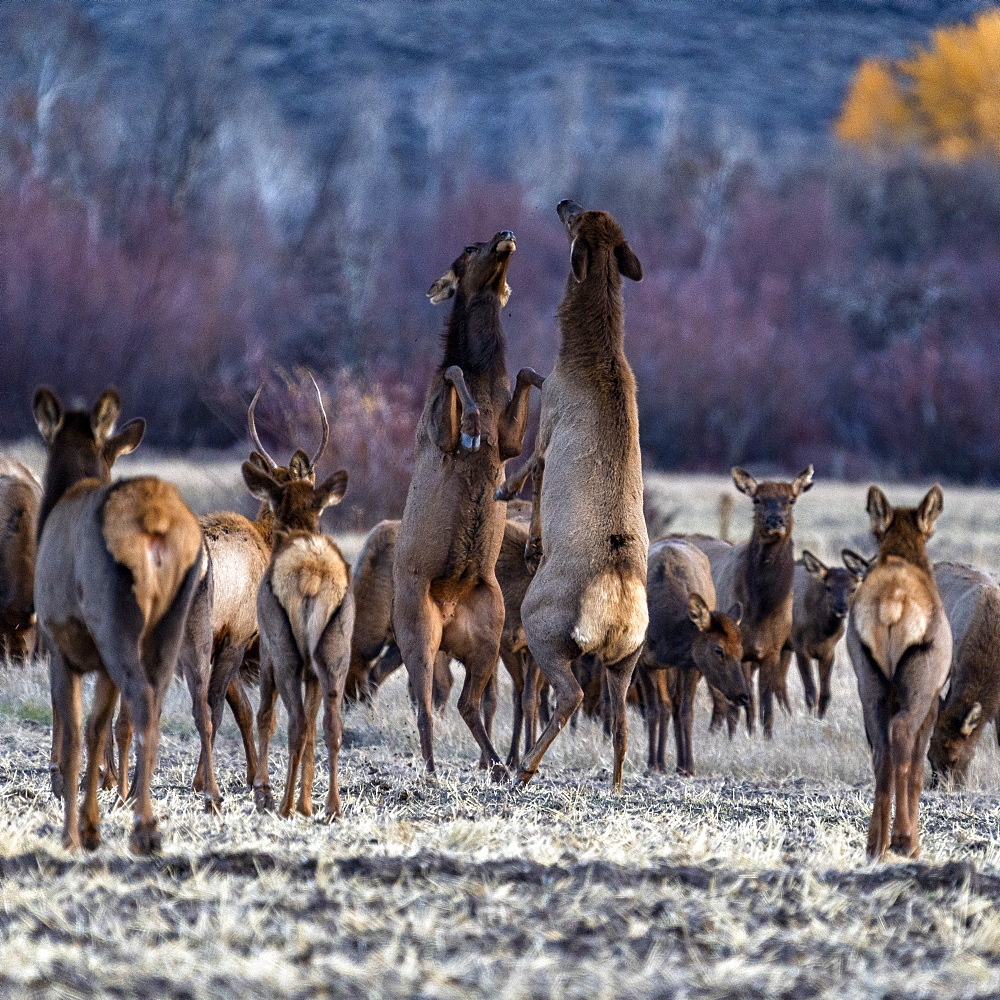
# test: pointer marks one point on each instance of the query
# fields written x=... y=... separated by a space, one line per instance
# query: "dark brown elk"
x=688 y=637
x=118 y=564
x=759 y=574
x=305 y=613
x=587 y=526
x=971 y=600
x=445 y=592
x=900 y=645
x=822 y=599
x=20 y=496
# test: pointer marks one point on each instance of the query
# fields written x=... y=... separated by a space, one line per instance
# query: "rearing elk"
x=900 y=644
x=117 y=567
x=445 y=590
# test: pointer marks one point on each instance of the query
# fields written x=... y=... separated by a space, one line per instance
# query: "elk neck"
x=770 y=574
x=592 y=313
x=62 y=472
x=905 y=541
x=474 y=338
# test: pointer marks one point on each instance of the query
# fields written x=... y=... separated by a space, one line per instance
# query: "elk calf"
x=822 y=599
x=20 y=496
x=117 y=566
x=971 y=601
x=686 y=634
x=900 y=645
x=305 y=613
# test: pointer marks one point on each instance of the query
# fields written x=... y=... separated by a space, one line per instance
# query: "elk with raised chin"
x=900 y=645
x=587 y=531
x=445 y=592
x=117 y=567
x=305 y=612
x=20 y=496
x=759 y=574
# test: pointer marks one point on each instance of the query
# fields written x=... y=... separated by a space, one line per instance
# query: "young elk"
x=759 y=574
x=589 y=593
x=20 y=496
x=900 y=644
x=445 y=591
x=117 y=566
x=689 y=637
x=822 y=598
x=971 y=601
x=305 y=612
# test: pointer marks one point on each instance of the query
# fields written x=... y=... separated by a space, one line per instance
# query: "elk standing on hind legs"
x=445 y=590
x=587 y=526
x=900 y=646
x=117 y=567
x=305 y=613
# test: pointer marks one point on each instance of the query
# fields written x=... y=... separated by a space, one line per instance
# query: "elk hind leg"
x=102 y=711
x=618 y=677
x=67 y=700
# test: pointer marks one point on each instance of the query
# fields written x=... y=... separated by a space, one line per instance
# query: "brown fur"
x=445 y=592
x=20 y=496
x=688 y=636
x=971 y=600
x=900 y=645
x=117 y=567
x=587 y=526
x=759 y=574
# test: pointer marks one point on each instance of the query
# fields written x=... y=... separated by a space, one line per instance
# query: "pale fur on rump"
x=893 y=616
x=310 y=579
x=149 y=530
x=613 y=616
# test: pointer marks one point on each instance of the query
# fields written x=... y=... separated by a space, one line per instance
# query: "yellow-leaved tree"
x=945 y=98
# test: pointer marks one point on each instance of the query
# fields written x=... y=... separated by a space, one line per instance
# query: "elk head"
x=951 y=748
x=481 y=267
x=717 y=649
x=904 y=528
x=80 y=445
x=838 y=584
x=772 y=502
x=594 y=235
x=298 y=503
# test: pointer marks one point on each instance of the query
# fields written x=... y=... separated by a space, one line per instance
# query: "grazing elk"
x=900 y=645
x=587 y=528
x=445 y=592
x=305 y=612
x=822 y=599
x=20 y=496
x=691 y=640
x=118 y=564
x=971 y=601
x=759 y=574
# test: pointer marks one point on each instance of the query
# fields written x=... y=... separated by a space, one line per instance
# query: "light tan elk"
x=900 y=645
x=822 y=599
x=117 y=567
x=589 y=593
x=305 y=612
x=759 y=574
x=691 y=640
x=20 y=496
x=971 y=600
x=445 y=592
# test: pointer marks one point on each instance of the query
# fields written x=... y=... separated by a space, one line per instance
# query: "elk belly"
x=613 y=617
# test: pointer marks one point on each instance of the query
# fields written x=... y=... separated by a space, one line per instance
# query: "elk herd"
x=120 y=580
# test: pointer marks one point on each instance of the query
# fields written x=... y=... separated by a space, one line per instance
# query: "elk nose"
x=506 y=235
x=743 y=700
x=774 y=522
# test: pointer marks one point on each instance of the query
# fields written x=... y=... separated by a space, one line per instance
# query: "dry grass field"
x=749 y=880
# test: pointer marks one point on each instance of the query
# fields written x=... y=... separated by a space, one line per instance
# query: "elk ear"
x=698 y=612
x=814 y=567
x=971 y=719
x=858 y=565
x=331 y=492
x=745 y=483
x=260 y=483
x=48 y=413
x=104 y=414
x=579 y=258
x=930 y=509
x=256 y=458
x=444 y=288
x=125 y=441
x=803 y=481
x=736 y=613
x=879 y=510
x=628 y=263
x=299 y=466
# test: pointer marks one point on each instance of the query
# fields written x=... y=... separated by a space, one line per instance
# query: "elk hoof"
x=213 y=805
x=331 y=815
x=523 y=777
x=533 y=552
x=146 y=838
x=90 y=836
x=263 y=799
x=498 y=772
x=503 y=494
x=56 y=778
x=471 y=443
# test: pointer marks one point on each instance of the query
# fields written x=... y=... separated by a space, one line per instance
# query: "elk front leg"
x=514 y=484
x=450 y=425
x=67 y=700
x=825 y=669
x=533 y=547
x=262 y=794
x=514 y=421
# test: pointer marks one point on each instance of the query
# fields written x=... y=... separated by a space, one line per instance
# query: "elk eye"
x=718 y=651
x=471 y=249
x=756 y=500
